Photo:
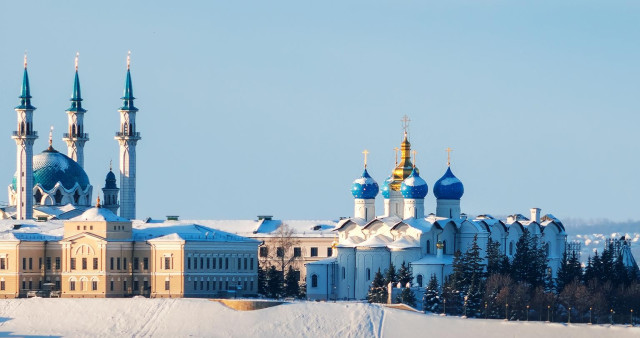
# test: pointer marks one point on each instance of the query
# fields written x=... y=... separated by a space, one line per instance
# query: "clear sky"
x=264 y=107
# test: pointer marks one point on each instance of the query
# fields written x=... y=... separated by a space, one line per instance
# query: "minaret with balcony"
x=24 y=137
x=76 y=137
x=128 y=137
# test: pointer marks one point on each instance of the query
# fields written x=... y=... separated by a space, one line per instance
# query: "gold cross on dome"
x=396 y=149
x=51 y=137
x=449 y=150
x=405 y=123
x=365 y=152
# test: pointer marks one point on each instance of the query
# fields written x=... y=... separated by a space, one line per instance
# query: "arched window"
x=444 y=247
x=38 y=196
x=344 y=273
x=76 y=197
x=419 y=280
x=314 y=281
x=368 y=274
x=546 y=249
x=510 y=248
x=428 y=246
x=58 y=197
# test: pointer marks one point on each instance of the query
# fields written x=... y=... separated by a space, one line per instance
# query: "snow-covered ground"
x=142 y=317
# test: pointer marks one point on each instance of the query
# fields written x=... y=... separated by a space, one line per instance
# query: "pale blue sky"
x=263 y=107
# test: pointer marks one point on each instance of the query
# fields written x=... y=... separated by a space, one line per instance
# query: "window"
x=368 y=274
x=314 y=281
x=72 y=285
x=118 y=263
x=314 y=252
x=245 y=263
x=329 y=251
x=226 y=263
x=3 y=263
x=136 y=263
x=201 y=262
x=511 y=248
x=124 y=264
x=145 y=285
x=226 y=285
x=344 y=273
x=264 y=251
x=167 y=263
x=189 y=263
x=124 y=285
x=2 y=285
x=208 y=263
x=251 y=265
x=195 y=285
x=30 y=285
x=111 y=265
x=239 y=263
x=428 y=246
x=297 y=252
x=136 y=285
x=167 y=285
x=251 y=285
x=111 y=285
x=24 y=263
x=280 y=251
x=213 y=261
x=84 y=263
x=57 y=263
x=419 y=280
x=30 y=263
x=220 y=262
x=145 y=263
x=73 y=263
x=57 y=285
x=24 y=285
x=48 y=263
x=95 y=263
x=40 y=263
x=201 y=285
x=94 y=285
x=195 y=263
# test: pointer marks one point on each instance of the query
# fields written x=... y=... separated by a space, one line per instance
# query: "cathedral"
x=52 y=185
x=404 y=233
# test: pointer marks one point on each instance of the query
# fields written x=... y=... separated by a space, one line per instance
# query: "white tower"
x=24 y=137
x=128 y=137
x=76 y=137
x=110 y=192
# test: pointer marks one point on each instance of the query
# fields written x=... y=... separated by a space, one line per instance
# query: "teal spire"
x=25 y=95
x=128 y=90
x=76 y=98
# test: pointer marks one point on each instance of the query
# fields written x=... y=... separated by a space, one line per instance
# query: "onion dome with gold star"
x=404 y=168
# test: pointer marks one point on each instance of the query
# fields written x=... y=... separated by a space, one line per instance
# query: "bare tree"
x=281 y=248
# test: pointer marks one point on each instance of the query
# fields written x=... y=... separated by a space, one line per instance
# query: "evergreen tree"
x=451 y=296
x=570 y=270
x=378 y=289
x=431 y=300
x=274 y=283
x=404 y=275
x=520 y=266
x=407 y=297
x=456 y=279
x=292 y=288
x=262 y=281
x=494 y=257
x=474 y=297
x=390 y=275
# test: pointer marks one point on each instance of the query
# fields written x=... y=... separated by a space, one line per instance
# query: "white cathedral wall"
x=364 y=208
x=448 y=236
x=345 y=278
x=325 y=277
x=408 y=255
x=373 y=259
x=448 y=208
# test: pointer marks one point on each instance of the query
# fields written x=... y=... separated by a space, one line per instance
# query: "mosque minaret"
x=24 y=137
x=128 y=137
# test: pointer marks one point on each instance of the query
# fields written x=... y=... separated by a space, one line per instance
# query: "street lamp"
x=444 y=309
x=590 y=315
x=569 y=314
x=485 y=310
x=506 y=312
x=631 y=317
x=548 y=312
x=611 y=311
x=465 y=305
x=527 y=312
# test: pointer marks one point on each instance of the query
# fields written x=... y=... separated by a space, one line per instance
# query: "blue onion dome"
x=414 y=186
x=110 y=181
x=448 y=187
x=364 y=187
x=386 y=187
x=51 y=167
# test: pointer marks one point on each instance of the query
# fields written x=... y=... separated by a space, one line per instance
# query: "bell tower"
x=24 y=137
x=128 y=137
x=75 y=137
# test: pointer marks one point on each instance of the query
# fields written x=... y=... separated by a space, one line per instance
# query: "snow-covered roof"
x=170 y=231
x=99 y=215
x=404 y=243
x=330 y=260
x=350 y=242
x=434 y=260
x=378 y=241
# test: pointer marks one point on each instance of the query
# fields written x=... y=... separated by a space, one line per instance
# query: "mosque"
x=404 y=233
x=52 y=185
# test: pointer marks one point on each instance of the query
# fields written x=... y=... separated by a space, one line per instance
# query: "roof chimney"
x=535 y=215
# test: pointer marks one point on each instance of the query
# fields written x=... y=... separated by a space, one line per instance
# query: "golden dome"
x=404 y=167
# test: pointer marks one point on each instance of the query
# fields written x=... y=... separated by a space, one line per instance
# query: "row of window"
x=221 y=286
x=219 y=263
x=297 y=252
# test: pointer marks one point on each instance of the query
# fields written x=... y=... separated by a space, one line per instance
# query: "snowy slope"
x=199 y=317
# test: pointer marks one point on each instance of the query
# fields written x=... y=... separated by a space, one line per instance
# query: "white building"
x=404 y=234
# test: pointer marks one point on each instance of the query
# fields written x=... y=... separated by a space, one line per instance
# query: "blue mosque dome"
x=414 y=186
x=386 y=188
x=364 y=187
x=110 y=181
x=51 y=167
x=448 y=187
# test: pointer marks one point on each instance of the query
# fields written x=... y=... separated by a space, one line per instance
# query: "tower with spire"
x=110 y=192
x=448 y=191
x=128 y=137
x=393 y=199
x=364 y=191
x=76 y=137
x=24 y=137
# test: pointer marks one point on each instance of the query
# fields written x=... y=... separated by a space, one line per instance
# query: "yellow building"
x=99 y=254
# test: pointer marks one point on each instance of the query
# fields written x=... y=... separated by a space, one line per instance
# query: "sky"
x=251 y=108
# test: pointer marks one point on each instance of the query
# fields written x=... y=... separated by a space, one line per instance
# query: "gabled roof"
x=85 y=234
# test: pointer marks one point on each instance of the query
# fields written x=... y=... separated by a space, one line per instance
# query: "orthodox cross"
x=77 y=54
x=51 y=137
x=128 y=59
x=365 y=152
x=25 y=58
x=414 y=157
x=449 y=150
x=405 y=123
